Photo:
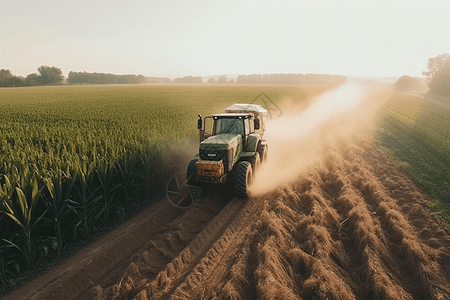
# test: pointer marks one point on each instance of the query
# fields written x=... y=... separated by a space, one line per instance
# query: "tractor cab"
x=243 y=124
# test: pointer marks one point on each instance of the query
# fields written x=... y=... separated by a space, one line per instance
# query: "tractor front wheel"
x=242 y=178
x=191 y=173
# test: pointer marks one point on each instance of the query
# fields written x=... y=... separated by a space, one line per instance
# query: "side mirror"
x=199 y=122
x=256 y=124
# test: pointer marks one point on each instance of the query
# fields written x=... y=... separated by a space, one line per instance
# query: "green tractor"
x=232 y=152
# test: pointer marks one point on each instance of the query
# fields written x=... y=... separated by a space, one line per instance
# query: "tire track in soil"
x=354 y=227
x=178 y=246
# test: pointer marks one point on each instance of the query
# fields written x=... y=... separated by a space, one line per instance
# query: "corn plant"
x=23 y=215
x=56 y=200
x=126 y=170
x=84 y=204
x=3 y=246
x=108 y=186
x=147 y=169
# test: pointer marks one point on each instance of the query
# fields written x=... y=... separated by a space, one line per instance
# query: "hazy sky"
x=196 y=37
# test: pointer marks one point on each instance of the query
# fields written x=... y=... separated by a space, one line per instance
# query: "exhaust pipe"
x=201 y=130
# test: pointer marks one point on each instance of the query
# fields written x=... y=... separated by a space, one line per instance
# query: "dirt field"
x=351 y=226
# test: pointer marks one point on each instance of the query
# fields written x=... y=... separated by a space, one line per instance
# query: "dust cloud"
x=299 y=138
x=176 y=154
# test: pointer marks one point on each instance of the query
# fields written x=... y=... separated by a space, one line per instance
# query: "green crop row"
x=76 y=158
x=427 y=119
x=415 y=131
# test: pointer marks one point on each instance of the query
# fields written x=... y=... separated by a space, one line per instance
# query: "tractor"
x=233 y=151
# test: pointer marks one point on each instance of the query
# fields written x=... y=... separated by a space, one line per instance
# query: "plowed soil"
x=353 y=226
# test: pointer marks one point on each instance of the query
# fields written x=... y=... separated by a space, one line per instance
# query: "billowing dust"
x=299 y=137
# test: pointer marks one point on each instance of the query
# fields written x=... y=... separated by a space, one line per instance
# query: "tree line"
x=220 y=80
x=103 y=78
x=279 y=78
x=283 y=78
x=188 y=79
x=46 y=75
x=437 y=78
x=52 y=75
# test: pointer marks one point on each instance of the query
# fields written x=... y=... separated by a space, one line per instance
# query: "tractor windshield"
x=229 y=125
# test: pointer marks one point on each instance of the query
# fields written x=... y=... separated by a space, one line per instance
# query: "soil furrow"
x=212 y=265
x=166 y=254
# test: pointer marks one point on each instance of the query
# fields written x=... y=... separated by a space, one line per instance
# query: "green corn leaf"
x=2 y=193
x=26 y=212
x=11 y=244
x=35 y=190
x=24 y=228
x=39 y=219
x=50 y=187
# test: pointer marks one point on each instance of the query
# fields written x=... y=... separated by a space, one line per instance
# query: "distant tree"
x=50 y=75
x=231 y=81
x=141 y=79
x=440 y=82
x=291 y=79
x=438 y=75
x=158 y=79
x=104 y=78
x=32 y=79
x=211 y=80
x=411 y=84
x=253 y=78
x=241 y=79
x=10 y=80
x=188 y=79
x=14 y=81
x=435 y=64
x=222 y=79
x=4 y=75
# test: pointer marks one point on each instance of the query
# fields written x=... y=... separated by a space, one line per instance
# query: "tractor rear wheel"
x=242 y=178
x=263 y=150
x=255 y=161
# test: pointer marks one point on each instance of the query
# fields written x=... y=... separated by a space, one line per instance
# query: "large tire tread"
x=242 y=178
x=255 y=161
x=263 y=150
x=191 y=173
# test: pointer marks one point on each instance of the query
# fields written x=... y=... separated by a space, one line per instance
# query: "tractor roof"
x=233 y=115
x=245 y=108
